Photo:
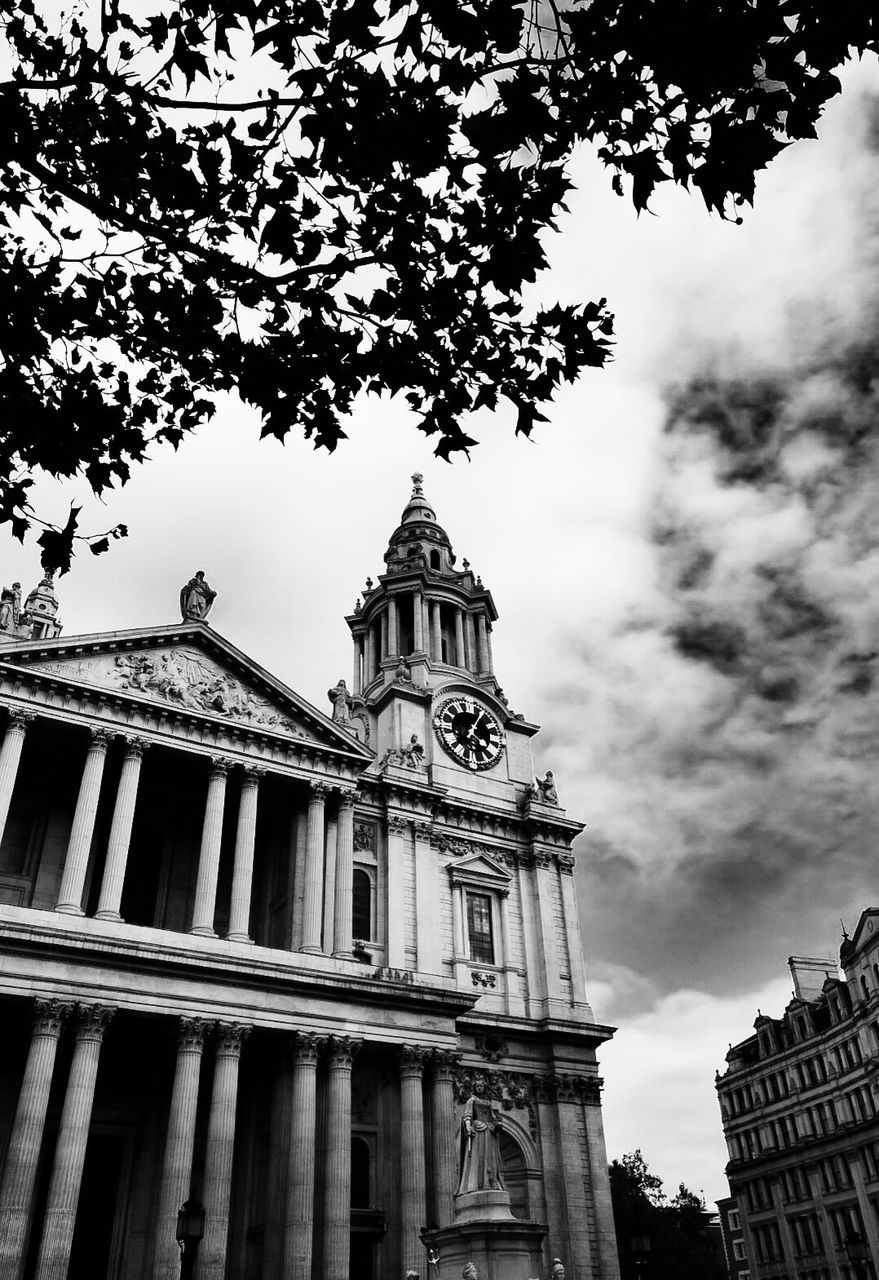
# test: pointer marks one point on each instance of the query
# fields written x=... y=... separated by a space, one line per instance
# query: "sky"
x=685 y=562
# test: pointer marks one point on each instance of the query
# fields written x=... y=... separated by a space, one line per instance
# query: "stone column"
x=20 y=1174
x=120 y=832
x=337 y=1161
x=209 y=854
x=427 y=901
x=413 y=1190
x=394 y=884
x=488 y=647
x=460 y=660
x=515 y=1007
x=210 y=1261
x=66 y=1179
x=314 y=869
x=458 y=922
x=393 y=631
x=437 y=628
x=425 y=625
x=242 y=873
x=442 y=1125
x=369 y=659
x=358 y=666
x=10 y=757
x=482 y=644
x=79 y=845
x=342 y=923
x=417 y=622
x=383 y=643
x=177 y=1167
x=299 y=1216
x=470 y=640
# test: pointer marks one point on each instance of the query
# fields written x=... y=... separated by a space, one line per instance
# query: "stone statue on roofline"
x=196 y=599
x=341 y=700
x=10 y=607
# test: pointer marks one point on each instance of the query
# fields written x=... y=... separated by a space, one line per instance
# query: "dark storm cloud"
x=732 y=772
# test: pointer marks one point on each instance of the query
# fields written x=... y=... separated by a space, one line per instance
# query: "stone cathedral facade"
x=259 y=956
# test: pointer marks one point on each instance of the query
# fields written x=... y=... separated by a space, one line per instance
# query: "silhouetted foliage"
x=305 y=200
x=658 y=1238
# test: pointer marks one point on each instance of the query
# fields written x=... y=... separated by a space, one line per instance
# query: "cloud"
x=671 y=1054
x=720 y=730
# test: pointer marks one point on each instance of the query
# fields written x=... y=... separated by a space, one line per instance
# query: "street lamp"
x=858 y=1253
x=190 y=1230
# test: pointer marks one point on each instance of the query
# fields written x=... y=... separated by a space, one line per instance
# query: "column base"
x=69 y=909
x=313 y=951
x=108 y=915
x=344 y=955
x=239 y=937
x=203 y=931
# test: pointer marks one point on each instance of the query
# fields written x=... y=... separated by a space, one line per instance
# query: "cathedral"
x=287 y=994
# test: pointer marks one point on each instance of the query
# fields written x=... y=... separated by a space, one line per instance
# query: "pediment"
x=186 y=669
x=479 y=868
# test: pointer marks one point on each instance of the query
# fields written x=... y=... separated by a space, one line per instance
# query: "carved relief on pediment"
x=184 y=679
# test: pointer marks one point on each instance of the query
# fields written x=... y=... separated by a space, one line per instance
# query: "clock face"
x=469 y=732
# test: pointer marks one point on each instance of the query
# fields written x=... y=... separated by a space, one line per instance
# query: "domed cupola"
x=419 y=542
x=424 y=615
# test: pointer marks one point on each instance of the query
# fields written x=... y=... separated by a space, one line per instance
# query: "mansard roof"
x=188 y=668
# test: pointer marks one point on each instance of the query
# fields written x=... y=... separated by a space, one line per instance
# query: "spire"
x=423 y=611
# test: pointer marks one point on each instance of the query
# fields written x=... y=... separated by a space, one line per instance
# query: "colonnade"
x=310 y=866
x=312 y=1176
x=470 y=641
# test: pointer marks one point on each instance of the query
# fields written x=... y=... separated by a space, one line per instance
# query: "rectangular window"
x=738 y=1249
x=735 y=1222
x=479 y=928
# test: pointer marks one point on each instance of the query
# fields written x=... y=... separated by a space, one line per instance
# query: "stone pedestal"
x=502 y=1249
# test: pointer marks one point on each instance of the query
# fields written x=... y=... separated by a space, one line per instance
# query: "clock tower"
x=475 y=887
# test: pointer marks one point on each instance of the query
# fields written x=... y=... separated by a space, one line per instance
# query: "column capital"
x=252 y=775
x=230 y=1038
x=318 y=791
x=50 y=1016
x=92 y=1021
x=19 y=718
x=397 y=824
x=190 y=1034
x=100 y=738
x=423 y=830
x=445 y=1062
x=342 y=1050
x=412 y=1059
x=307 y=1046
x=347 y=797
x=133 y=745
x=220 y=766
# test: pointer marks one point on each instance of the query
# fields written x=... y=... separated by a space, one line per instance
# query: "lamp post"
x=858 y=1253
x=190 y=1230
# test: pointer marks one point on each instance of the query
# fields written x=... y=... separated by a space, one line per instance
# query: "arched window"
x=360 y=1174
x=864 y=988
x=515 y=1181
x=361 y=916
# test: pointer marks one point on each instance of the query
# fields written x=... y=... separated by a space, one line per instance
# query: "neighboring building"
x=733 y=1236
x=259 y=956
x=800 y=1117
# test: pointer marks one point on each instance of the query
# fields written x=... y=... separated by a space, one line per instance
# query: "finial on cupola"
x=417 y=482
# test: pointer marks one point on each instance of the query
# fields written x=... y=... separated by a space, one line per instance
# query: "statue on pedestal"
x=196 y=599
x=341 y=700
x=480 y=1149
x=10 y=607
